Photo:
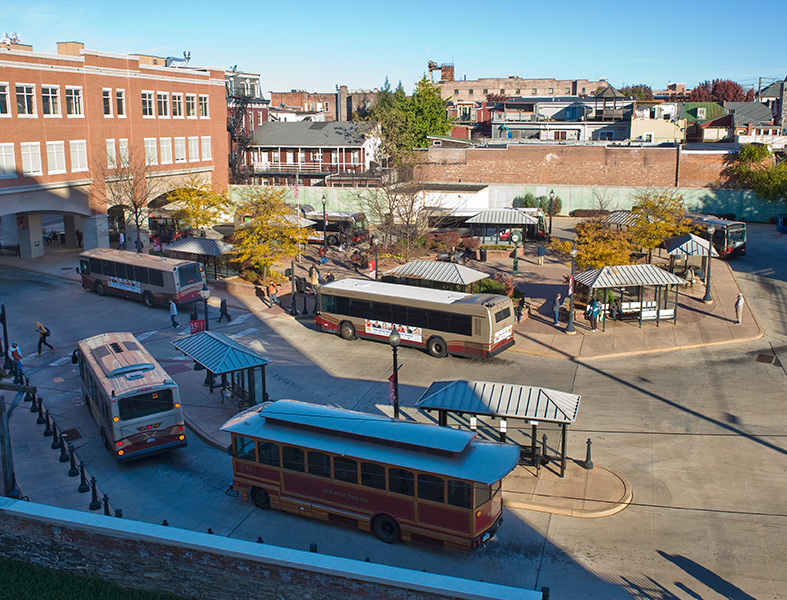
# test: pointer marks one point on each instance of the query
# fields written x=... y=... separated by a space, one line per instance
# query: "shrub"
x=490 y=286
x=471 y=243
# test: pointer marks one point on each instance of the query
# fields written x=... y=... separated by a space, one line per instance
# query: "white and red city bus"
x=439 y=321
x=134 y=401
x=398 y=479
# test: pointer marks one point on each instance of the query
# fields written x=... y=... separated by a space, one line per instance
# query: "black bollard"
x=588 y=464
x=544 y=593
x=165 y=523
x=55 y=437
x=260 y=540
x=95 y=503
x=119 y=513
x=312 y=547
x=544 y=448
x=105 y=502
x=83 y=484
x=28 y=396
x=537 y=460
x=210 y=531
x=64 y=457
x=74 y=470
x=40 y=420
x=48 y=428
x=34 y=405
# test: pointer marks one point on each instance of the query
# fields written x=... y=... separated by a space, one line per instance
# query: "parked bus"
x=343 y=227
x=134 y=401
x=439 y=321
x=399 y=479
x=729 y=237
x=153 y=279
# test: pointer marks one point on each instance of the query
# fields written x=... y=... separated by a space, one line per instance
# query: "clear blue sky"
x=316 y=45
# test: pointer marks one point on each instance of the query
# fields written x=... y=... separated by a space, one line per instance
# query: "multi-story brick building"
x=341 y=105
x=69 y=119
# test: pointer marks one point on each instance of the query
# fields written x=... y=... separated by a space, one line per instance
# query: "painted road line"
x=146 y=335
x=60 y=361
x=243 y=333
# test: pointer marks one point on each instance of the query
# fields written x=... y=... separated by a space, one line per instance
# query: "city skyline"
x=316 y=49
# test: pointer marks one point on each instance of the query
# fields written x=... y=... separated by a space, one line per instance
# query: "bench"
x=9 y=250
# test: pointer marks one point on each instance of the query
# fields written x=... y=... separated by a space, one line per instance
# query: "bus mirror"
x=75 y=357
x=76 y=269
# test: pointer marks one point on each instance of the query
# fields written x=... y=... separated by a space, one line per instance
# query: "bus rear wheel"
x=260 y=498
x=386 y=529
x=437 y=347
x=333 y=240
x=148 y=299
x=347 y=330
x=100 y=290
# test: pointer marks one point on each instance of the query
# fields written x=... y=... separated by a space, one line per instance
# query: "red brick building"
x=66 y=119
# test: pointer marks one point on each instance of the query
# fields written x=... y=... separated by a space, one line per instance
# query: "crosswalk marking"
x=60 y=361
x=146 y=335
x=243 y=333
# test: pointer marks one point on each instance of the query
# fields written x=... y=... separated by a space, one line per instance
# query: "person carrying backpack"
x=43 y=333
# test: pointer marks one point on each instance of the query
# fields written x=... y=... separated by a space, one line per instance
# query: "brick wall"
x=198 y=565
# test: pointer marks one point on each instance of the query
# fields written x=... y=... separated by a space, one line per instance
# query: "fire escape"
x=240 y=137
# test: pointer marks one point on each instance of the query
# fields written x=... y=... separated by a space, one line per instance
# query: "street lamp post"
x=204 y=293
x=324 y=232
x=376 y=243
x=551 y=208
x=394 y=340
x=708 y=299
x=570 y=326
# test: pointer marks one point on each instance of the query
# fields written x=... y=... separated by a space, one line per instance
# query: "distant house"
x=656 y=123
x=335 y=153
x=743 y=122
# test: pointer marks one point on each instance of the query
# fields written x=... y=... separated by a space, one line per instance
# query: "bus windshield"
x=143 y=405
x=189 y=274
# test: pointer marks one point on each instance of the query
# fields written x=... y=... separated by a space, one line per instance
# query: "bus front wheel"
x=260 y=498
x=100 y=290
x=148 y=299
x=347 y=330
x=386 y=529
x=437 y=347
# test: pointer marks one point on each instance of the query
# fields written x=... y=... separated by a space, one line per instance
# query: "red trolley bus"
x=399 y=479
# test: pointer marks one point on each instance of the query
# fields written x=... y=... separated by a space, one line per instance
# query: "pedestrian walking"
x=16 y=363
x=356 y=260
x=43 y=333
x=542 y=252
x=556 y=307
x=122 y=240
x=139 y=245
x=520 y=309
x=223 y=314
x=273 y=291
x=739 y=308
x=314 y=278
x=593 y=310
x=79 y=237
x=173 y=312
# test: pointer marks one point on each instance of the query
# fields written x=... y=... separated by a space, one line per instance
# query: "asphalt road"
x=699 y=434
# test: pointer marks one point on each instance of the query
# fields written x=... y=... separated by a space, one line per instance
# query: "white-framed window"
x=534 y=92
x=335 y=157
x=147 y=105
x=106 y=100
x=191 y=106
x=317 y=156
x=78 y=155
x=162 y=105
x=355 y=157
x=203 y=107
x=120 y=103
x=25 y=100
x=112 y=159
x=568 y=91
x=193 y=149
x=206 y=152
x=55 y=157
x=177 y=106
x=180 y=150
x=123 y=151
x=5 y=104
x=259 y=118
x=301 y=157
x=289 y=157
x=647 y=137
x=166 y=150
x=31 y=158
x=151 y=152
x=74 y=106
x=701 y=112
x=7 y=161
x=50 y=100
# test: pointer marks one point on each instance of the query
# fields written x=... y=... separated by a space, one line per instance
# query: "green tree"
x=755 y=168
x=198 y=205
x=640 y=91
x=271 y=233
x=657 y=216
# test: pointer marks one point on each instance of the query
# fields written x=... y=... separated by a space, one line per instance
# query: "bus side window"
x=438 y=320
x=362 y=309
x=401 y=482
x=483 y=494
x=292 y=459
x=120 y=270
x=268 y=454
x=95 y=266
x=108 y=268
x=431 y=488
x=461 y=324
x=84 y=267
x=156 y=277
x=328 y=303
x=373 y=475
x=346 y=469
x=399 y=315
x=381 y=311
x=342 y=306
x=459 y=493
x=416 y=317
x=319 y=464
x=244 y=448
x=141 y=274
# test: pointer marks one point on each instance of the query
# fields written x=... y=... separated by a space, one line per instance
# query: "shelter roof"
x=688 y=244
x=621 y=217
x=501 y=400
x=218 y=353
x=200 y=245
x=610 y=92
x=503 y=216
x=434 y=270
x=627 y=276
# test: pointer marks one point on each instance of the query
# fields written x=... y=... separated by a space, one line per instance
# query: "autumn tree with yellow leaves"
x=597 y=246
x=198 y=205
x=658 y=215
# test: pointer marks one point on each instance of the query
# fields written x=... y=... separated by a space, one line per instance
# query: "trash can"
x=482 y=254
x=300 y=284
x=781 y=223
x=63 y=238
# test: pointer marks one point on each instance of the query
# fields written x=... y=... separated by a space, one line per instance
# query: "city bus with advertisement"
x=343 y=227
x=154 y=280
x=439 y=321
x=133 y=400
x=401 y=480
x=729 y=237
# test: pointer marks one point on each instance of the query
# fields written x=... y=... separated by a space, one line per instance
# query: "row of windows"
x=189 y=106
x=368 y=474
x=30 y=153
x=289 y=156
x=399 y=314
x=109 y=268
x=166 y=156
x=533 y=91
x=51 y=104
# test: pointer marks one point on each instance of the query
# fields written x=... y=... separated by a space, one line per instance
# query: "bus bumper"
x=131 y=453
x=488 y=534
